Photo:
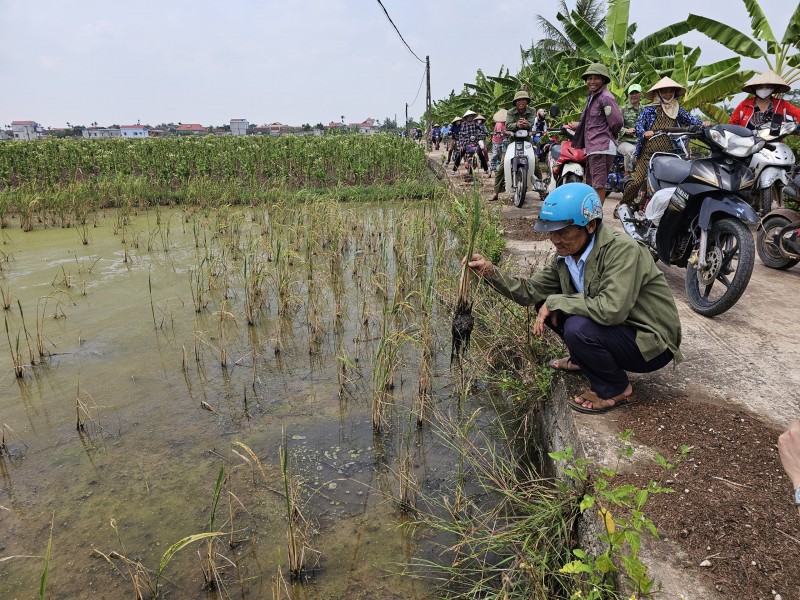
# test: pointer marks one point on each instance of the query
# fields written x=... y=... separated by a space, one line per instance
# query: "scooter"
x=616 y=180
x=565 y=163
x=519 y=166
x=696 y=215
x=771 y=165
x=777 y=241
x=471 y=154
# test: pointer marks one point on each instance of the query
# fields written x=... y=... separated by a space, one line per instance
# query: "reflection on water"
x=150 y=352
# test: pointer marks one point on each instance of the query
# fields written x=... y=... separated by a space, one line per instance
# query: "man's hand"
x=573 y=124
x=630 y=130
x=789 y=451
x=544 y=312
x=480 y=265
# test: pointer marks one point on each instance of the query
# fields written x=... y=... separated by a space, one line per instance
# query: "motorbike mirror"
x=554 y=110
x=775 y=124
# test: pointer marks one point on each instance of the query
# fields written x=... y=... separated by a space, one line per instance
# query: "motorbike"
x=616 y=180
x=696 y=214
x=771 y=165
x=565 y=163
x=436 y=139
x=777 y=241
x=519 y=166
x=471 y=154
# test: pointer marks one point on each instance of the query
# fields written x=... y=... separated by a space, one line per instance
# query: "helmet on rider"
x=541 y=113
x=569 y=204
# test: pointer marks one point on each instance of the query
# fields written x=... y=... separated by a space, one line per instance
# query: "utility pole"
x=406 y=119
x=428 y=102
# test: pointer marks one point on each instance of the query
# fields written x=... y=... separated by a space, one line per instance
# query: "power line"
x=398 y=32
x=419 y=89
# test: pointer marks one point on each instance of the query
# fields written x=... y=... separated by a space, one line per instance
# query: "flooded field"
x=156 y=365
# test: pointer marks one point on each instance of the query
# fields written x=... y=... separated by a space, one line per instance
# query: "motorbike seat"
x=669 y=168
x=555 y=151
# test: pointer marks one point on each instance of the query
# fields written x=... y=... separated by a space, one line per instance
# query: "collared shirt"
x=576 y=268
x=471 y=128
x=599 y=125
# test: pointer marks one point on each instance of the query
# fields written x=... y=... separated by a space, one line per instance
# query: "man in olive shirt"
x=627 y=135
x=602 y=293
x=520 y=116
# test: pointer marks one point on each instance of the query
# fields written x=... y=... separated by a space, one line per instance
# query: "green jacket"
x=513 y=115
x=623 y=285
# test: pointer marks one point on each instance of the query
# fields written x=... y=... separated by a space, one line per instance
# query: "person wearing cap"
x=469 y=128
x=664 y=112
x=601 y=292
x=455 y=129
x=759 y=108
x=596 y=132
x=519 y=116
x=627 y=135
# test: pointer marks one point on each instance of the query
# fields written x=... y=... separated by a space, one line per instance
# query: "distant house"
x=278 y=128
x=96 y=133
x=26 y=130
x=134 y=131
x=191 y=129
x=3 y=134
x=368 y=127
x=239 y=126
x=261 y=130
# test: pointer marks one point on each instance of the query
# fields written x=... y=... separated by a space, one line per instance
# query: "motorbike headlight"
x=742 y=146
x=719 y=139
x=521 y=133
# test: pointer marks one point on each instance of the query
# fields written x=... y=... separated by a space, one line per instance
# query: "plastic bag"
x=657 y=206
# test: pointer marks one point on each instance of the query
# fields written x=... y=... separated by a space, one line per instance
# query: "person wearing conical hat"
x=596 y=131
x=763 y=104
x=470 y=128
x=519 y=116
x=455 y=130
x=663 y=112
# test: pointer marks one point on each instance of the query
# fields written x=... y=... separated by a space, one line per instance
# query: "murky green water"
x=165 y=393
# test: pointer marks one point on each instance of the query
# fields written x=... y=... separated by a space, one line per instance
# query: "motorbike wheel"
x=520 y=186
x=767 y=246
x=572 y=178
x=769 y=198
x=730 y=256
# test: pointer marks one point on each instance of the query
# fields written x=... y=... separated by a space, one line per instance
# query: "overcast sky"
x=292 y=61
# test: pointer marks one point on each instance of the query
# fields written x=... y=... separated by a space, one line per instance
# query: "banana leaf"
x=732 y=39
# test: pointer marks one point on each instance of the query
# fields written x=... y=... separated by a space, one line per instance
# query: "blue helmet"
x=569 y=204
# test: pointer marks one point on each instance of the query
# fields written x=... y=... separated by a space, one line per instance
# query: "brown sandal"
x=564 y=364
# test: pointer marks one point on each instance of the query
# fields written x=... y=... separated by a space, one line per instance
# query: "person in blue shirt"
x=455 y=131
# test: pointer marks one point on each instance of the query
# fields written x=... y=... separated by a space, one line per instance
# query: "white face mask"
x=764 y=92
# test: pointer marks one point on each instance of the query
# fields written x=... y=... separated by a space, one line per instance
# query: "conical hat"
x=771 y=79
x=468 y=113
x=665 y=83
x=480 y=118
x=500 y=115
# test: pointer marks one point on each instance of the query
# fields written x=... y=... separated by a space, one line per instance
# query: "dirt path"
x=736 y=389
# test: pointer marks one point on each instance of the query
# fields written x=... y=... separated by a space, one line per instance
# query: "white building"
x=101 y=132
x=134 y=131
x=239 y=126
x=26 y=130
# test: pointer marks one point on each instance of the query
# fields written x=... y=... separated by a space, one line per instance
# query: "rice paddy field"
x=231 y=398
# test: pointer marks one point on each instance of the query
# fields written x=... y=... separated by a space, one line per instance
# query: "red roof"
x=191 y=127
x=24 y=123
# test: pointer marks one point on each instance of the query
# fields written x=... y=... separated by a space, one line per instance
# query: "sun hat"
x=480 y=118
x=469 y=113
x=455 y=120
x=597 y=69
x=500 y=115
x=634 y=87
x=768 y=79
x=664 y=84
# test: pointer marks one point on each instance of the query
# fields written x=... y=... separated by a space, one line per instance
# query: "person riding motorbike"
x=436 y=136
x=519 y=116
x=470 y=128
x=759 y=108
x=664 y=112
x=627 y=135
x=455 y=130
x=498 y=137
x=481 y=121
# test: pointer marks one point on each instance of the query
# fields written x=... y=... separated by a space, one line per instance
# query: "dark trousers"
x=605 y=353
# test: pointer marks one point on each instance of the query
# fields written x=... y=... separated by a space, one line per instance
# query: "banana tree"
x=782 y=57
